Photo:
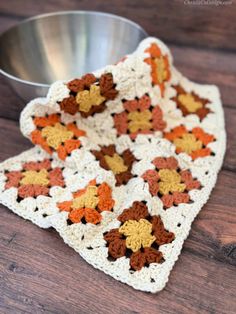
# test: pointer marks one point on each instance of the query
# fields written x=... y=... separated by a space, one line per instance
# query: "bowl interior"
x=66 y=45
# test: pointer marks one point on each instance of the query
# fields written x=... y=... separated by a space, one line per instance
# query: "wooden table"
x=40 y=274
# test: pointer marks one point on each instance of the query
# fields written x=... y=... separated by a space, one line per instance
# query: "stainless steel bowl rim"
x=61 y=13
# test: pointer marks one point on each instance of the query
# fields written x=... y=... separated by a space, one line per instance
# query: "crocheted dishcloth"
x=125 y=158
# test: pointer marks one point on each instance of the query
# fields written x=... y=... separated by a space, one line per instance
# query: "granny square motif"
x=125 y=158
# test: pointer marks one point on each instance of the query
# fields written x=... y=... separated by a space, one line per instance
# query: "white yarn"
x=132 y=78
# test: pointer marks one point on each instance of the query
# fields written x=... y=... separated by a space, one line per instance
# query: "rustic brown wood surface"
x=40 y=274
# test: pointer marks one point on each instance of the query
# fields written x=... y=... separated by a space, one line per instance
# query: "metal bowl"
x=63 y=45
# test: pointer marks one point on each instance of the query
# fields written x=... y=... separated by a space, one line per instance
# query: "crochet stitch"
x=194 y=143
x=125 y=158
x=138 y=237
x=168 y=180
x=34 y=179
x=191 y=103
x=120 y=165
x=52 y=135
x=88 y=98
x=139 y=117
x=160 y=68
x=88 y=203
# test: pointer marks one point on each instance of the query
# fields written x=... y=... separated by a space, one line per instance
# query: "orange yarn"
x=66 y=145
x=106 y=202
x=92 y=215
x=154 y=51
x=139 y=117
x=35 y=178
x=79 y=193
x=92 y=182
x=204 y=138
x=73 y=128
x=46 y=121
x=168 y=180
x=61 y=151
x=71 y=145
x=175 y=133
x=37 y=139
x=76 y=215
x=65 y=206
x=204 y=152
x=154 y=72
x=156 y=55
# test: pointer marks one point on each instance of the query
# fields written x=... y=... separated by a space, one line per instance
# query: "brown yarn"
x=127 y=158
x=107 y=89
x=137 y=211
x=69 y=105
x=76 y=85
x=88 y=79
x=112 y=235
x=116 y=238
x=107 y=86
x=201 y=112
x=137 y=260
x=117 y=248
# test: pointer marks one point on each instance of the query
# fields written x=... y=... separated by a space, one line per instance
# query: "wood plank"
x=11 y=104
x=208 y=67
x=230 y=122
x=7 y=21
x=195 y=25
x=11 y=139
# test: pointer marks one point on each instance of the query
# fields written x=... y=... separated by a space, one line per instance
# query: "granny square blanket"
x=124 y=159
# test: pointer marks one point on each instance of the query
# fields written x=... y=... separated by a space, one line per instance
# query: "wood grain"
x=195 y=25
x=40 y=274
